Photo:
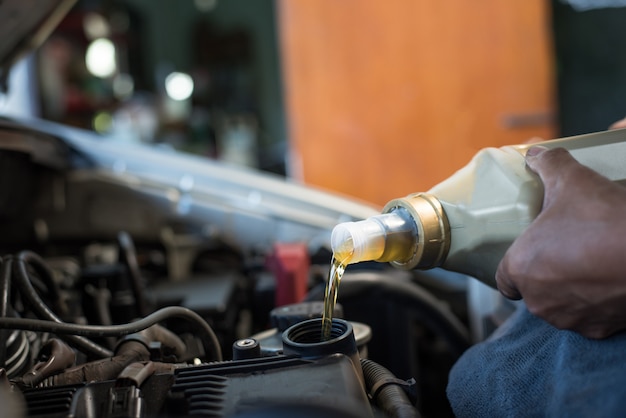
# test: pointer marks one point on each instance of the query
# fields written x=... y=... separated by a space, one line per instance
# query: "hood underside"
x=24 y=25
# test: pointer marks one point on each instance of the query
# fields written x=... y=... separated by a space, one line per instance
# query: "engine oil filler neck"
x=305 y=340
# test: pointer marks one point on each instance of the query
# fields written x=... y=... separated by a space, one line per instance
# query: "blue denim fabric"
x=528 y=368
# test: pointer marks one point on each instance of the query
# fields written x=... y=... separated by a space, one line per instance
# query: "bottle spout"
x=413 y=232
x=353 y=242
x=385 y=237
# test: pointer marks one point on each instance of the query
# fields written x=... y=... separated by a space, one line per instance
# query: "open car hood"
x=24 y=25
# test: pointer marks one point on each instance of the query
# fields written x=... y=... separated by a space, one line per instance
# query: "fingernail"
x=536 y=150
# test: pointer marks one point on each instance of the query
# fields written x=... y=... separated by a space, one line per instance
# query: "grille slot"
x=49 y=401
x=205 y=393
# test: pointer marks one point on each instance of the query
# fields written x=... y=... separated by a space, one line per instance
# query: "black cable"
x=63 y=328
x=5 y=290
x=5 y=286
x=129 y=257
x=46 y=276
x=28 y=292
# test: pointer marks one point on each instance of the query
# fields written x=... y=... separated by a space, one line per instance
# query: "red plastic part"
x=290 y=264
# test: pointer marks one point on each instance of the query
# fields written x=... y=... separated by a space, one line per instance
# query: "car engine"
x=139 y=282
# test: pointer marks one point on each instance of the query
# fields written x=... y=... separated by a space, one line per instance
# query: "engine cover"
x=267 y=386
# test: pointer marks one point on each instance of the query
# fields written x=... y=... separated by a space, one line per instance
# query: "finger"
x=504 y=283
x=536 y=150
x=549 y=163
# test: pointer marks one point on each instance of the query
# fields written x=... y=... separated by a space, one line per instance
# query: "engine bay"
x=143 y=283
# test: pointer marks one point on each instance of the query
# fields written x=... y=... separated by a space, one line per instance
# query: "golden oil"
x=341 y=258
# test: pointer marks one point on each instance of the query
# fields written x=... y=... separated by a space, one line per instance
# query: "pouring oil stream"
x=342 y=256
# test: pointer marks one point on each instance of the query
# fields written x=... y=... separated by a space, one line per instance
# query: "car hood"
x=247 y=208
x=24 y=25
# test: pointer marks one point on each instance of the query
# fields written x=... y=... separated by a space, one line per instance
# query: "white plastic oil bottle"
x=467 y=222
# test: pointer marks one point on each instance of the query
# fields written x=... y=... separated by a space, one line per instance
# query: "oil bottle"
x=467 y=222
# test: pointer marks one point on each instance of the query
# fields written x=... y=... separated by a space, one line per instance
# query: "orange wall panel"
x=389 y=98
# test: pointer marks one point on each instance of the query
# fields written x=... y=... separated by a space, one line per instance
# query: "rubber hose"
x=106 y=369
x=5 y=290
x=391 y=398
x=61 y=328
x=43 y=311
x=167 y=337
x=128 y=256
x=45 y=274
x=5 y=286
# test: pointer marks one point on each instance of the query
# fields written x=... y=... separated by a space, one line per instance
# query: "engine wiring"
x=162 y=314
x=15 y=270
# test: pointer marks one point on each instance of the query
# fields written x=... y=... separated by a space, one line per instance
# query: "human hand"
x=568 y=265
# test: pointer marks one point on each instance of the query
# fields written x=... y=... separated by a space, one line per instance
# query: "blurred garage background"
x=371 y=99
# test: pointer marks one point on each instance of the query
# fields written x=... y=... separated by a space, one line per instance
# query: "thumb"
x=549 y=164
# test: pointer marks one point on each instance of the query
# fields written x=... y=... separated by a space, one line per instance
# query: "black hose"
x=46 y=276
x=167 y=337
x=101 y=299
x=129 y=257
x=388 y=394
x=75 y=333
x=5 y=290
x=28 y=292
x=105 y=369
x=5 y=285
x=62 y=328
